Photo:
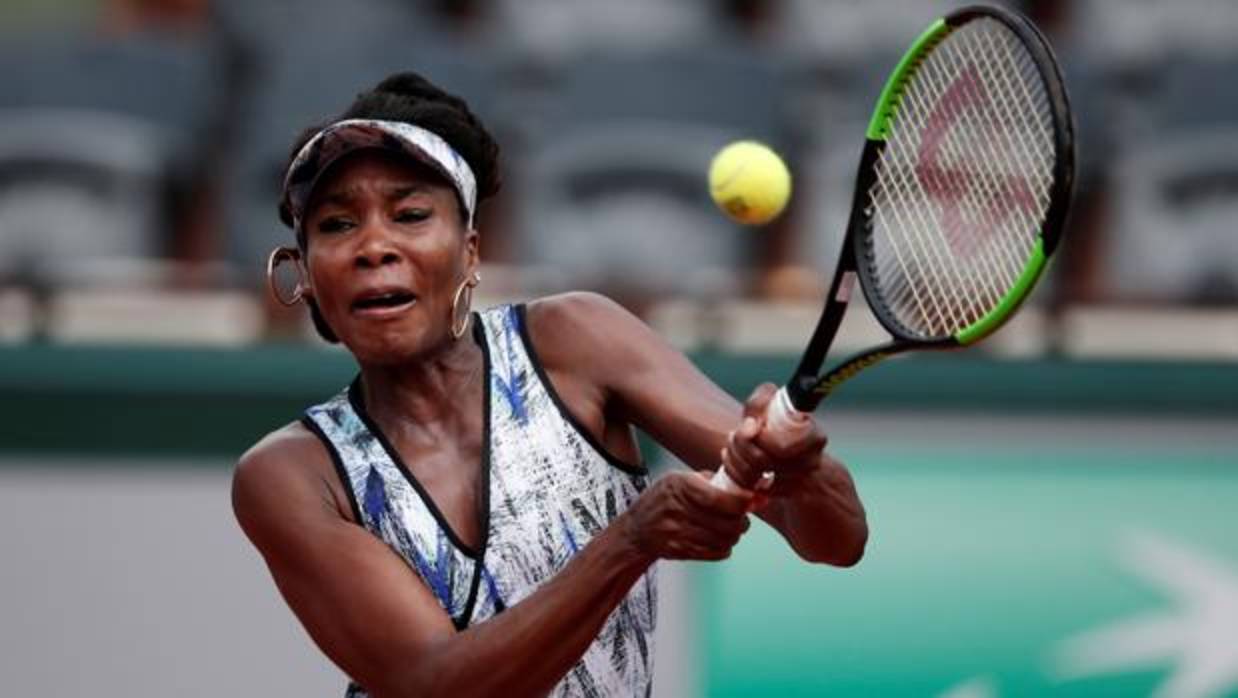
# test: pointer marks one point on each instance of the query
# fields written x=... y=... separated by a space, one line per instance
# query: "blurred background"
x=1053 y=513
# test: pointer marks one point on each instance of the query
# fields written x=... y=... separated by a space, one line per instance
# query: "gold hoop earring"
x=278 y=256
x=460 y=325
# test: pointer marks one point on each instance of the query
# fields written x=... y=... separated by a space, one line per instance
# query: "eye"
x=412 y=215
x=334 y=224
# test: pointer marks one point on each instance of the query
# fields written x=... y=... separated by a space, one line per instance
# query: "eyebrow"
x=402 y=190
x=394 y=193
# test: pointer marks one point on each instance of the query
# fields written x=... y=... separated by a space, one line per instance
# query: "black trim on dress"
x=522 y=325
x=356 y=399
x=479 y=335
x=340 y=470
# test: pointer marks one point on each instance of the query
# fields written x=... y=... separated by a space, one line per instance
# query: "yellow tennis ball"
x=749 y=182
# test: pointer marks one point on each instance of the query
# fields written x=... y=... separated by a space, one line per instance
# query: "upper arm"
x=363 y=606
x=652 y=384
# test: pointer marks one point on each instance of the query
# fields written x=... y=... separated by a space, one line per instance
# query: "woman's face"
x=386 y=252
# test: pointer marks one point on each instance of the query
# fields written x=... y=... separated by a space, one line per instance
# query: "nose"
x=375 y=248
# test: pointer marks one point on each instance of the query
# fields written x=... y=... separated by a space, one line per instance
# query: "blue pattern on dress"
x=496 y=599
x=437 y=574
x=375 y=496
x=572 y=546
x=514 y=393
x=512 y=389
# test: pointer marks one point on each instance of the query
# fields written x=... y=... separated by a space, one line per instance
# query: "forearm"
x=821 y=516
x=528 y=648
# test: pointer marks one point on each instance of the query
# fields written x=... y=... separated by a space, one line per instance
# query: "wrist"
x=628 y=544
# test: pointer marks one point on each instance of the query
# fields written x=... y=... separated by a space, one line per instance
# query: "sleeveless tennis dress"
x=547 y=489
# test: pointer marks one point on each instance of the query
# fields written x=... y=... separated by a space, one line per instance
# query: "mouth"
x=382 y=302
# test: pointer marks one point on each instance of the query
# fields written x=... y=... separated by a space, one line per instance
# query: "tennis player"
x=470 y=516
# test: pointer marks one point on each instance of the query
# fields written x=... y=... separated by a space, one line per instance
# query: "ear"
x=472 y=252
x=304 y=281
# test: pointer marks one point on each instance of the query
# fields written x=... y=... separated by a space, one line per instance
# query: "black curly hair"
x=411 y=98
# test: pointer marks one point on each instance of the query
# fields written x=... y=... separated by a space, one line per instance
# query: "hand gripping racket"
x=962 y=190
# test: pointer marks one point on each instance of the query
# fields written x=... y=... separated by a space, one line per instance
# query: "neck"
x=434 y=393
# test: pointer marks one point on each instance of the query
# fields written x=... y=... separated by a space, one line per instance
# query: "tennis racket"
x=960 y=198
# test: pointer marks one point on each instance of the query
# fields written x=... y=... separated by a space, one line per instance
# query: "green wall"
x=984 y=562
x=132 y=401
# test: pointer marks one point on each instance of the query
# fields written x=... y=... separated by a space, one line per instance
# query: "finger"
x=793 y=443
x=703 y=495
x=750 y=460
x=744 y=474
x=729 y=523
x=725 y=526
x=759 y=400
x=743 y=446
x=713 y=531
x=703 y=524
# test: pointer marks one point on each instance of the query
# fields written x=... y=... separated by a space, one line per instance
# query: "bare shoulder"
x=283 y=473
x=575 y=308
x=584 y=328
x=276 y=456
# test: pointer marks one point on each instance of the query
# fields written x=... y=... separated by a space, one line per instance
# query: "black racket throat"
x=806 y=387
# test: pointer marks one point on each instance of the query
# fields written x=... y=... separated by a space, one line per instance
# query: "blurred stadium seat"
x=553 y=30
x=623 y=210
x=851 y=31
x=98 y=136
x=1176 y=189
x=1149 y=31
x=612 y=192
x=77 y=185
x=1173 y=233
x=167 y=80
x=740 y=89
x=1200 y=93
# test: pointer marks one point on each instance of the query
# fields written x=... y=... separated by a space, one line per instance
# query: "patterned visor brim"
x=343 y=137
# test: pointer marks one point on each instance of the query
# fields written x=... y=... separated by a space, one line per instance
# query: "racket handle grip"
x=780 y=415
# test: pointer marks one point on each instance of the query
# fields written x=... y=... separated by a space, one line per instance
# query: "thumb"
x=759 y=400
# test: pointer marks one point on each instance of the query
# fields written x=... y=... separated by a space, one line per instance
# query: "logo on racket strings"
x=973 y=181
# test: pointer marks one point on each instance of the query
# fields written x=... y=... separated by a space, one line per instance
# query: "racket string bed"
x=960 y=312
x=912 y=223
x=1038 y=149
x=1016 y=240
x=1005 y=263
x=1012 y=260
x=952 y=235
